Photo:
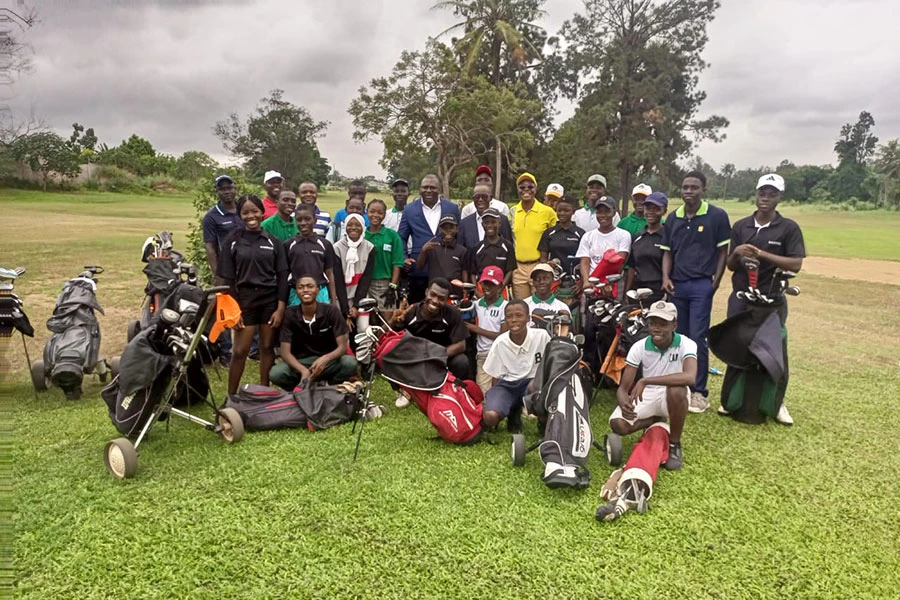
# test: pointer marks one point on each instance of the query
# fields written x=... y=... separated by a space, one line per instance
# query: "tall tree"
x=280 y=136
x=640 y=62
x=887 y=170
x=727 y=173
x=854 y=147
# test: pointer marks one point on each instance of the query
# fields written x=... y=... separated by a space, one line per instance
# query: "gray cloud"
x=785 y=72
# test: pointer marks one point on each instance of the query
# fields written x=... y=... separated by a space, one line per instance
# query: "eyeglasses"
x=526 y=186
x=481 y=197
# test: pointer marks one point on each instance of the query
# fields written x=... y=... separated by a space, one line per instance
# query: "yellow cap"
x=526 y=175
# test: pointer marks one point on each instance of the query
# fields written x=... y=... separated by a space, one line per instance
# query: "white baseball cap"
x=773 y=179
x=643 y=189
x=271 y=175
x=597 y=178
x=554 y=189
x=664 y=310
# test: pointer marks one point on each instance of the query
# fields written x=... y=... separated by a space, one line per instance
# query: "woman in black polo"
x=253 y=263
x=645 y=260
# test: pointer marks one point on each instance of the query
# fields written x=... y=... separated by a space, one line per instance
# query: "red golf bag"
x=419 y=368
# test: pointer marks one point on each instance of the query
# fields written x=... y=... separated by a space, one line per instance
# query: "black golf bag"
x=74 y=347
x=149 y=361
x=560 y=403
x=753 y=344
x=12 y=314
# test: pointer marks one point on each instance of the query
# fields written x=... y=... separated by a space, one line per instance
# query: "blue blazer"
x=468 y=231
x=414 y=225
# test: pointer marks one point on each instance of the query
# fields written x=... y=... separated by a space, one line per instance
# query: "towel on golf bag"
x=561 y=400
x=314 y=407
x=419 y=368
x=144 y=375
x=753 y=344
x=610 y=264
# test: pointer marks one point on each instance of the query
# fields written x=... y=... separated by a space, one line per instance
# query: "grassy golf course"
x=758 y=512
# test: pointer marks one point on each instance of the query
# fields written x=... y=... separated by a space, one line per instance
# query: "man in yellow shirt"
x=530 y=220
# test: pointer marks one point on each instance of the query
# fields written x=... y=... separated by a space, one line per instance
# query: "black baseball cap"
x=397 y=182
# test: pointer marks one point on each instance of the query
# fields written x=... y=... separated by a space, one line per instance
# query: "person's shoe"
x=783 y=416
x=514 y=421
x=676 y=457
x=401 y=401
x=698 y=403
x=723 y=411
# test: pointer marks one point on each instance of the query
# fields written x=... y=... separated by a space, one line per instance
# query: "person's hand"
x=747 y=251
x=276 y=318
x=318 y=367
x=627 y=407
x=390 y=297
x=637 y=392
x=304 y=373
x=240 y=324
x=578 y=288
x=668 y=286
x=428 y=246
x=408 y=264
x=354 y=312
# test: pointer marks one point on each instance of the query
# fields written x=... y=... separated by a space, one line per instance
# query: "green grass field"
x=757 y=512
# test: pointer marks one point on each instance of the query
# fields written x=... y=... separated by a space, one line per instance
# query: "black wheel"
x=134 y=328
x=39 y=376
x=613 y=444
x=517 y=450
x=121 y=458
x=114 y=366
x=232 y=425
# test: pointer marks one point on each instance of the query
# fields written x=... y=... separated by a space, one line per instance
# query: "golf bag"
x=74 y=347
x=12 y=315
x=753 y=344
x=313 y=407
x=560 y=403
x=164 y=270
x=630 y=488
x=419 y=368
x=149 y=361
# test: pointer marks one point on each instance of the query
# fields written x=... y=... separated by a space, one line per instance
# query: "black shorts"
x=257 y=304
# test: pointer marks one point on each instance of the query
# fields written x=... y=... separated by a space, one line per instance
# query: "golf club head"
x=750 y=264
x=644 y=293
x=611 y=279
x=606 y=319
x=367 y=304
x=792 y=291
x=632 y=294
x=784 y=274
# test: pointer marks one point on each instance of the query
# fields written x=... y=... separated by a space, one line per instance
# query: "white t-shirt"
x=551 y=304
x=501 y=206
x=510 y=362
x=594 y=243
x=489 y=317
x=392 y=219
x=644 y=353
x=432 y=215
x=586 y=218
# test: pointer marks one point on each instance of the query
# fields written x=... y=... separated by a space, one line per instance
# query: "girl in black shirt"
x=253 y=263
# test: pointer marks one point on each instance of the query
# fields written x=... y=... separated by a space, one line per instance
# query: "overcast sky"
x=786 y=73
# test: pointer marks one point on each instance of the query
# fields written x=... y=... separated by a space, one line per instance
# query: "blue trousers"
x=693 y=299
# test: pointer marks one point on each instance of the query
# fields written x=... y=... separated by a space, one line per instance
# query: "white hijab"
x=352 y=258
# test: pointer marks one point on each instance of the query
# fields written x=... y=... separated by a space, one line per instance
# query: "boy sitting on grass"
x=669 y=363
x=511 y=363
x=489 y=321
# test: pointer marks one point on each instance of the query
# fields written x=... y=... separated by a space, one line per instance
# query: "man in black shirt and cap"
x=645 y=259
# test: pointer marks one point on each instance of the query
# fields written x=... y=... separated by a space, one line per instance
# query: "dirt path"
x=873 y=271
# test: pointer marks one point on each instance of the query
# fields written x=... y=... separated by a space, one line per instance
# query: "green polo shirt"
x=277 y=227
x=388 y=252
x=634 y=224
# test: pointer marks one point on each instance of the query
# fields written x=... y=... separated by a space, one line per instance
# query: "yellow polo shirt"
x=528 y=226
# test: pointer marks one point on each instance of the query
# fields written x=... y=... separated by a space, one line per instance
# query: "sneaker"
x=514 y=422
x=401 y=401
x=783 y=416
x=698 y=403
x=676 y=457
x=723 y=412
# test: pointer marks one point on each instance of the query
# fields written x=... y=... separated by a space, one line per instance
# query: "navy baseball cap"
x=658 y=198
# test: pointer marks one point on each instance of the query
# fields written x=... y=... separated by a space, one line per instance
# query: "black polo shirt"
x=501 y=254
x=694 y=242
x=445 y=329
x=309 y=256
x=562 y=243
x=646 y=258
x=445 y=261
x=256 y=260
x=781 y=237
x=218 y=224
x=313 y=339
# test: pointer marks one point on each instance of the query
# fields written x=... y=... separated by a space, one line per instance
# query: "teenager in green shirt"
x=282 y=224
x=636 y=221
x=388 y=256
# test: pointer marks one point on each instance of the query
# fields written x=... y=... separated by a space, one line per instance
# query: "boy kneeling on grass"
x=512 y=364
x=669 y=364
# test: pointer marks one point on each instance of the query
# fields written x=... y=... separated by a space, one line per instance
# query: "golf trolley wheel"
x=134 y=328
x=517 y=450
x=232 y=425
x=114 y=366
x=39 y=376
x=121 y=458
x=613 y=444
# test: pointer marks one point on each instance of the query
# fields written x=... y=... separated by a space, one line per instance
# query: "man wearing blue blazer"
x=420 y=223
x=471 y=232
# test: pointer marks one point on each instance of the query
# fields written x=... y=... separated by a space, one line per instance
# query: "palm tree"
x=495 y=24
x=887 y=169
x=728 y=171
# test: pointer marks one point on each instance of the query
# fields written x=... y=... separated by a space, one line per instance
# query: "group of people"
x=299 y=274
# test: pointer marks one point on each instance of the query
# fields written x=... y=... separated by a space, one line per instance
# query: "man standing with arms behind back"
x=698 y=235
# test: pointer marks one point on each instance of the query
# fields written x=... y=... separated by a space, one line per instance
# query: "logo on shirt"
x=774 y=243
x=387 y=247
x=700 y=228
x=674 y=357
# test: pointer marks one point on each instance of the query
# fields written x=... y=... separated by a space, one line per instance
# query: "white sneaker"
x=783 y=416
x=401 y=401
x=698 y=403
